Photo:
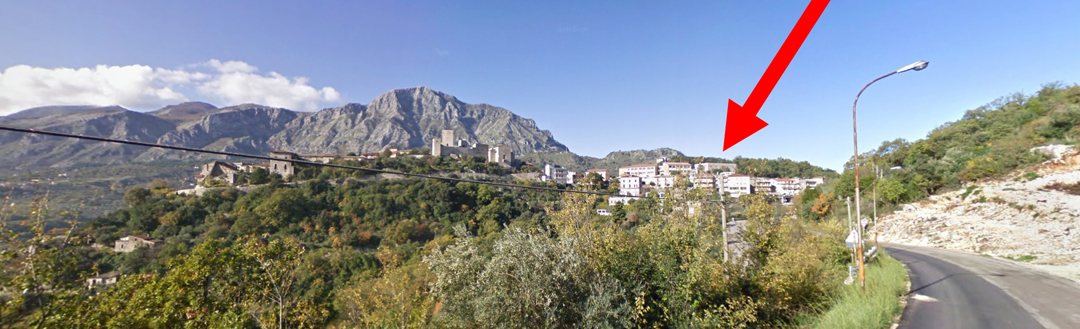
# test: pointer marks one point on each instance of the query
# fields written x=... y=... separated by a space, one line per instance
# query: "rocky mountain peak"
x=185 y=112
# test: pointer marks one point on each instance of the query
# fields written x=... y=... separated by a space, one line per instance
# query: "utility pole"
x=877 y=176
x=723 y=225
x=723 y=218
x=848 y=203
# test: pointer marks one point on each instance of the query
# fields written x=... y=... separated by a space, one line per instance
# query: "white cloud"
x=232 y=66
x=142 y=87
x=236 y=87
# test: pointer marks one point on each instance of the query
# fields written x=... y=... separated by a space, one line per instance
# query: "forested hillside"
x=988 y=141
x=348 y=253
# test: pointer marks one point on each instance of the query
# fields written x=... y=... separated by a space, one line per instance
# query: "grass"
x=1028 y=176
x=875 y=307
x=971 y=190
x=1024 y=258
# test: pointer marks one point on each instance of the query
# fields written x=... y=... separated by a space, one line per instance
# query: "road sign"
x=852 y=238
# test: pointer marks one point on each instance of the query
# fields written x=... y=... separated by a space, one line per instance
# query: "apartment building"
x=737 y=185
x=710 y=167
x=640 y=170
x=672 y=168
x=630 y=186
x=555 y=173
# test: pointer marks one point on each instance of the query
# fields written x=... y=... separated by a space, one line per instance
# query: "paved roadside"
x=951 y=289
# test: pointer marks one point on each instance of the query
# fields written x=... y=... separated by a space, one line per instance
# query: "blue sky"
x=602 y=76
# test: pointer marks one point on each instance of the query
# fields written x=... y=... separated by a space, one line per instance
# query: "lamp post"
x=917 y=66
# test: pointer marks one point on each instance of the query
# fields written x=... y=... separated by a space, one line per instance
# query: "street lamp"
x=917 y=66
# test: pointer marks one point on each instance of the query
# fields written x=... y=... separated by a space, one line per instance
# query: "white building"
x=621 y=199
x=814 y=182
x=671 y=168
x=555 y=173
x=102 y=279
x=640 y=170
x=709 y=167
x=737 y=185
x=630 y=186
x=501 y=154
x=703 y=181
x=787 y=186
x=572 y=177
x=660 y=182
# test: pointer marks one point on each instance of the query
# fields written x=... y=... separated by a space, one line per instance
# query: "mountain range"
x=402 y=118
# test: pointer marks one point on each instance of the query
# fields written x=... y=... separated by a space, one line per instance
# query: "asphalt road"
x=951 y=289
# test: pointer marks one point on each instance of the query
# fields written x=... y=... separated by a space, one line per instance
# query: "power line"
x=263 y=157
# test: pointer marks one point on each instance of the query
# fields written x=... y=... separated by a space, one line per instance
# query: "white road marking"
x=923 y=298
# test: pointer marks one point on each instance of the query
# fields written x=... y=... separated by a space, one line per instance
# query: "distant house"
x=704 y=181
x=644 y=170
x=555 y=173
x=501 y=154
x=284 y=168
x=814 y=182
x=321 y=158
x=737 y=184
x=709 y=167
x=602 y=172
x=670 y=168
x=221 y=170
x=621 y=199
x=630 y=186
x=132 y=242
x=787 y=187
x=102 y=279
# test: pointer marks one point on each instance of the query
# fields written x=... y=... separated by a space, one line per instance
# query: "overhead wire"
x=295 y=161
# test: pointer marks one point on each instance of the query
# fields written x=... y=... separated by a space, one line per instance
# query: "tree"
x=618 y=213
x=277 y=261
x=284 y=206
x=136 y=196
x=398 y=297
x=823 y=204
x=259 y=176
x=43 y=274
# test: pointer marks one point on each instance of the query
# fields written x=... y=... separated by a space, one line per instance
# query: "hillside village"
x=446 y=146
x=634 y=181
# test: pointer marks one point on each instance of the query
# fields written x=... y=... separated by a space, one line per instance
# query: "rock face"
x=403 y=118
x=409 y=118
x=1015 y=216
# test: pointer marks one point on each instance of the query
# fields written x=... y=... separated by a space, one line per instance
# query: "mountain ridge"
x=401 y=118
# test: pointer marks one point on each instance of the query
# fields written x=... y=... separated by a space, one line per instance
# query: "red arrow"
x=742 y=121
